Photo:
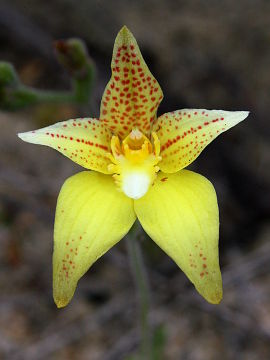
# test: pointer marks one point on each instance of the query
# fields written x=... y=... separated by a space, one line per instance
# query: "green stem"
x=141 y=282
x=73 y=56
x=24 y=96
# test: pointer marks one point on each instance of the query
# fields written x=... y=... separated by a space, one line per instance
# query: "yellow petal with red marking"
x=180 y=213
x=91 y=217
x=183 y=134
x=85 y=141
x=132 y=96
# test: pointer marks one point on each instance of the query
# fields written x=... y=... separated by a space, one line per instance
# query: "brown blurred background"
x=205 y=54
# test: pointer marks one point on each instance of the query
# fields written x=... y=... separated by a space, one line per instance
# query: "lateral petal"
x=183 y=134
x=132 y=96
x=85 y=141
x=91 y=217
x=180 y=213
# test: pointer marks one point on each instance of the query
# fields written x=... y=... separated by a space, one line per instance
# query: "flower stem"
x=73 y=56
x=143 y=291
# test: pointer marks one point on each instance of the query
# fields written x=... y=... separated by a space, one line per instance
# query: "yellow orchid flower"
x=137 y=161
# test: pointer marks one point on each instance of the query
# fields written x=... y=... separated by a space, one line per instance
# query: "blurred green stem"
x=23 y=96
x=141 y=282
x=73 y=56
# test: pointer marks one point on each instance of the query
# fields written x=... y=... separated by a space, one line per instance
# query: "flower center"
x=134 y=163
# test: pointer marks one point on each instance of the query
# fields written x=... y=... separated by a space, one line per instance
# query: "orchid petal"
x=91 y=217
x=85 y=141
x=132 y=96
x=183 y=134
x=180 y=213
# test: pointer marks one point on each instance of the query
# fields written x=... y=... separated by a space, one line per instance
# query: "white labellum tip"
x=135 y=185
